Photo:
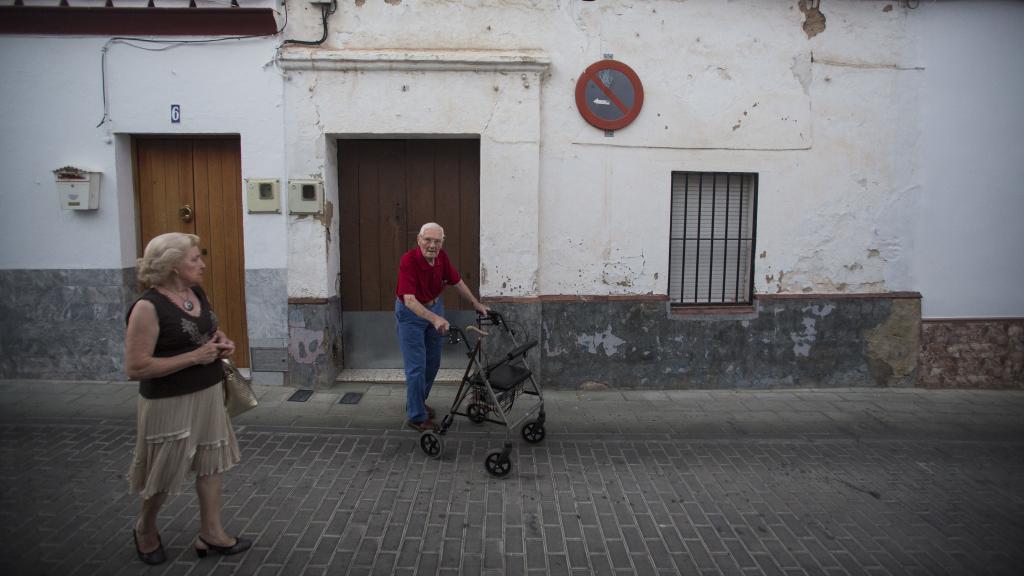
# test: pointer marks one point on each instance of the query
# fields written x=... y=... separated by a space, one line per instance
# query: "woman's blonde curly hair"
x=162 y=254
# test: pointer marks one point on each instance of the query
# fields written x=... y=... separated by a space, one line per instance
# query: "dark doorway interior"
x=388 y=188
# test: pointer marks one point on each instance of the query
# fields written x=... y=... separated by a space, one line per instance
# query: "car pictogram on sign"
x=609 y=95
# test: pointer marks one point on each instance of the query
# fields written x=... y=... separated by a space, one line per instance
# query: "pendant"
x=188 y=305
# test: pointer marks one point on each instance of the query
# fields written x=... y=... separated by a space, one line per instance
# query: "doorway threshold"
x=395 y=375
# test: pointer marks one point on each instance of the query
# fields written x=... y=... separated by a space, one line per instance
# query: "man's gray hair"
x=430 y=225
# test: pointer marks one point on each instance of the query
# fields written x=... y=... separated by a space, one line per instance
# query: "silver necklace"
x=186 y=302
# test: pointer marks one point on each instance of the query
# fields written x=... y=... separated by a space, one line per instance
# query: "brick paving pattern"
x=336 y=501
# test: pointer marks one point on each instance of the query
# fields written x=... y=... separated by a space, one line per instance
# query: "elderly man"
x=423 y=273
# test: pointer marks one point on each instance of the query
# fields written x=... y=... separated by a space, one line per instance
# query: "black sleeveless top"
x=180 y=333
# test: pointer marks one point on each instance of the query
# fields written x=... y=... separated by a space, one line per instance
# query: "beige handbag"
x=238 y=394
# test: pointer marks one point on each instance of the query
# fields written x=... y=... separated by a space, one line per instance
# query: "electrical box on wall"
x=305 y=196
x=263 y=195
x=77 y=189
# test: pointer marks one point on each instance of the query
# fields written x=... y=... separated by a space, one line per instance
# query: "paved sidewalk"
x=836 y=481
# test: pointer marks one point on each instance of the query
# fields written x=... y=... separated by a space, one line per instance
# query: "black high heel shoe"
x=240 y=545
x=152 y=558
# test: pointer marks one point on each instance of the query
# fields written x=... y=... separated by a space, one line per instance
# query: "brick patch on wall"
x=972 y=354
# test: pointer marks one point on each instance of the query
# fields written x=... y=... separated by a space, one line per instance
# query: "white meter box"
x=263 y=195
x=77 y=189
x=305 y=196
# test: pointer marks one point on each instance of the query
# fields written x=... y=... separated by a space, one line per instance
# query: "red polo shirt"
x=417 y=276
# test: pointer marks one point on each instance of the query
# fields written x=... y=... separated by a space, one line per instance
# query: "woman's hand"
x=210 y=351
x=222 y=339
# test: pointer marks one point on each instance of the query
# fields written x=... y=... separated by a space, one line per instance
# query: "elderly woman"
x=173 y=347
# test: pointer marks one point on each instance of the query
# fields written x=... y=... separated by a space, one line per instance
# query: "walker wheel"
x=431 y=444
x=498 y=463
x=532 y=431
x=477 y=412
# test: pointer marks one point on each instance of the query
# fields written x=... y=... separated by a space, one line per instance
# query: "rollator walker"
x=489 y=392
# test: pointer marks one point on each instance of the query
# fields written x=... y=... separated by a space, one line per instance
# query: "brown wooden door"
x=387 y=190
x=205 y=175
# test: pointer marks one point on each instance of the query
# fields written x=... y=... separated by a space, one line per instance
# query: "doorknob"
x=185 y=213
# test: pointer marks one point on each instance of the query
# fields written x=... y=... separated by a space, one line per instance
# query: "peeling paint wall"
x=500 y=107
x=314 y=343
x=849 y=203
x=784 y=342
x=819 y=116
x=712 y=102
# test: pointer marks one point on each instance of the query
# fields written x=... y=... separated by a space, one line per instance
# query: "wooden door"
x=387 y=190
x=204 y=175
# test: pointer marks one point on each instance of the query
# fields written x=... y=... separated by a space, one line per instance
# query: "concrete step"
x=394 y=375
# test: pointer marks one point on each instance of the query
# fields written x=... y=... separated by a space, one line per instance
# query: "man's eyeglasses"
x=432 y=240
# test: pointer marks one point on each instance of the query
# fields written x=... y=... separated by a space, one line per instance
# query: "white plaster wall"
x=48 y=120
x=743 y=97
x=970 y=233
x=501 y=108
x=223 y=88
x=51 y=105
x=839 y=216
x=734 y=87
x=828 y=123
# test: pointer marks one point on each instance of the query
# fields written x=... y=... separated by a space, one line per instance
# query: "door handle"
x=185 y=213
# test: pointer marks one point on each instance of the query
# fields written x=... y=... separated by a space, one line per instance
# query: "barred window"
x=711 y=252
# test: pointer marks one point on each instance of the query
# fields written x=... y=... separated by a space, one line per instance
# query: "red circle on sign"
x=629 y=112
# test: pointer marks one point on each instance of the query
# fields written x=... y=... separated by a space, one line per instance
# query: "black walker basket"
x=489 y=392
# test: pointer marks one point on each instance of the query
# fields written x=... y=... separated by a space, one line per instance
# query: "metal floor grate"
x=300 y=396
x=351 y=398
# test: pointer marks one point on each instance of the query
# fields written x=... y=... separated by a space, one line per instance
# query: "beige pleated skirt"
x=179 y=436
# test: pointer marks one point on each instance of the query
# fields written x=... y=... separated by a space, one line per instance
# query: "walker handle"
x=494 y=318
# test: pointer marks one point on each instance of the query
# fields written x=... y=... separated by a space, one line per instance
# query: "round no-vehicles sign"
x=609 y=95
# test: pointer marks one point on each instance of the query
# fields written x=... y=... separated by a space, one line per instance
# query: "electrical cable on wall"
x=167 y=45
x=326 y=9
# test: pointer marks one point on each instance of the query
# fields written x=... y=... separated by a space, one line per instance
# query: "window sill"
x=737 y=312
x=736 y=309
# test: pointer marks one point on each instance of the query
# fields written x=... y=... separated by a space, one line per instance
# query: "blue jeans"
x=421 y=356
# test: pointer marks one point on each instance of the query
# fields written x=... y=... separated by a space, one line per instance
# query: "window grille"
x=711 y=251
